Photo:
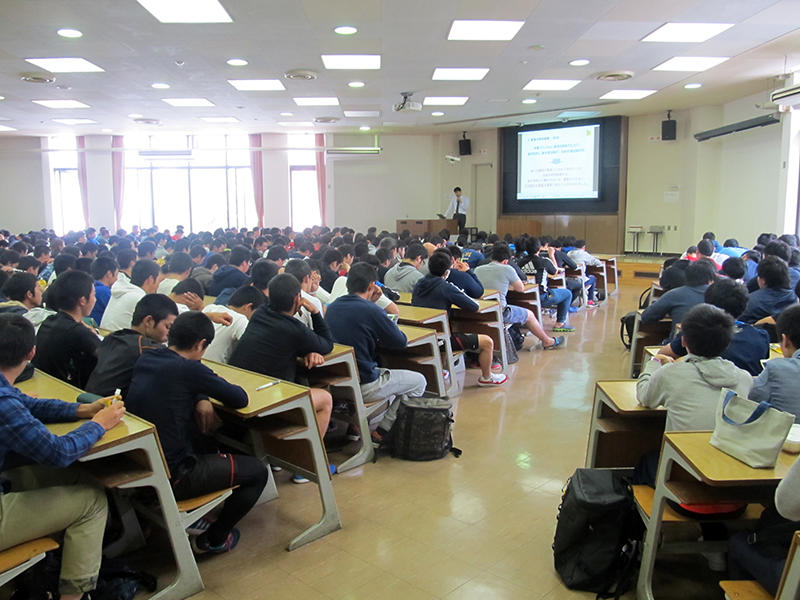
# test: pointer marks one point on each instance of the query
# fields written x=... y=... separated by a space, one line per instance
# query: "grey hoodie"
x=402 y=277
x=690 y=389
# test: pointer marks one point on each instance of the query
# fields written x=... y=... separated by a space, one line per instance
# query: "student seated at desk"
x=499 y=275
x=384 y=302
x=749 y=345
x=171 y=404
x=301 y=270
x=24 y=296
x=777 y=383
x=404 y=275
x=38 y=500
x=558 y=298
x=67 y=346
x=104 y=271
x=434 y=291
x=234 y=274
x=176 y=269
x=773 y=293
x=240 y=308
x=356 y=321
x=461 y=275
x=274 y=340
x=119 y=351
x=678 y=301
x=125 y=294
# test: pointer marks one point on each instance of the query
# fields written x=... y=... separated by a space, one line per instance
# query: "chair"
x=20 y=558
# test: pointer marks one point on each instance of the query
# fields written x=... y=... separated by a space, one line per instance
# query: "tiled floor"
x=477 y=527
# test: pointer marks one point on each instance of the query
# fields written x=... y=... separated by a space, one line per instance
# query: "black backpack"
x=626 y=323
x=422 y=429
x=598 y=534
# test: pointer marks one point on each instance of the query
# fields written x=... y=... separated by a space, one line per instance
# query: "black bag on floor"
x=515 y=333
x=422 y=429
x=596 y=545
x=626 y=324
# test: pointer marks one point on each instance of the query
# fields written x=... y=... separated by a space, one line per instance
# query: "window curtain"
x=117 y=175
x=321 y=185
x=82 y=182
x=257 y=171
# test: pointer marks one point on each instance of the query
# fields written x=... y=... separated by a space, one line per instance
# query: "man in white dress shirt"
x=459 y=205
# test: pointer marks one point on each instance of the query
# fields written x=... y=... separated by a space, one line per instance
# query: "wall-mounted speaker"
x=669 y=130
x=465 y=147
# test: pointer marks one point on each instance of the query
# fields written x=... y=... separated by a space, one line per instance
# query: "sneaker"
x=352 y=434
x=559 y=342
x=564 y=329
x=297 y=478
x=494 y=379
x=573 y=309
x=200 y=543
x=591 y=303
x=497 y=365
x=199 y=527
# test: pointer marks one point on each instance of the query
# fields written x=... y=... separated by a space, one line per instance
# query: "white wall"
x=22 y=188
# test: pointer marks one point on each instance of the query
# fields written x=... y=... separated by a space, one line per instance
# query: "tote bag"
x=752 y=432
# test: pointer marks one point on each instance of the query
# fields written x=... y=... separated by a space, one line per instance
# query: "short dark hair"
x=180 y=262
x=197 y=250
x=103 y=265
x=277 y=253
x=27 y=261
x=439 y=263
x=63 y=263
x=84 y=263
x=215 y=259
x=774 y=272
x=415 y=251
x=69 y=288
x=672 y=278
x=789 y=323
x=239 y=254
x=189 y=328
x=262 y=273
x=707 y=330
x=18 y=286
x=18 y=338
x=779 y=249
x=189 y=285
x=142 y=270
x=733 y=267
x=728 y=295
x=332 y=256
x=158 y=306
x=126 y=257
x=247 y=294
x=314 y=265
x=501 y=252
x=283 y=289
x=731 y=243
x=705 y=247
x=359 y=277
x=456 y=189
x=383 y=254
x=41 y=250
x=709 y=235
x=298 y=268
x=146 y=248
x=699 y=273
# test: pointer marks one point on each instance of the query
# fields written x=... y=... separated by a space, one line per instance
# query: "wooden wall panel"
x=601 y=232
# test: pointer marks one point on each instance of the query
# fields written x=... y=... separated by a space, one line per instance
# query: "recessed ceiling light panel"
x=459 y=74
x=529 y=101
x=287 y=114
x=61 y=103
x=237 y=62
x=437 y=113
x=69 y=33
x=320 y=101
x=693 y=64
x=188 y=102
x=65 y=65
x=257 y=85
x=75 y=121
x=356 y=84
x=5 y=128
x=445 y=100
x=477 y=30
x=135 y=116
x=159 y=86
x=579 y=62
x=577 y=114
x=345 y=30
x=220 y=119
x=295 y=123
x=687 y=32
x=693 y=86
x=187 y=11
x=627 y=94
x=549 y=85
x=352 y=61
x=362 y=114
x=364 y=128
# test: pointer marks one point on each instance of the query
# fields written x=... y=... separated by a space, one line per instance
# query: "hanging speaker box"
x=669 y=129
x=464 y=147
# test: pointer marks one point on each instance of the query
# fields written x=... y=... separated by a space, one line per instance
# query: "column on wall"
x=275 y=164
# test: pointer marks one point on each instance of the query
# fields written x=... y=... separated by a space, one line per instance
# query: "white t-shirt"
x=225 y=336
x=339 y=289
x=166 y=286
x=304 y=316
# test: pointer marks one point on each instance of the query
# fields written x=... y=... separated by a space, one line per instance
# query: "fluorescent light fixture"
x=445 y=100
x=691 y=63
x=627 y=94
x=106 y=130
x=487 y=31
x=693 y=86
x=4 y=128
x=69 y=33
x=257 y=85
x=579 y=62
x=237 y=62
x=352 y=61
x=159 y=86
x=578 y=114
x=186 y=11
x=551 y=85
x=322 y=101
x=459 y=74
x=295 y=123
x=220 y=119
x=2 y=97
x=135 y=116
x=356 y=84
x=61 y=103
x=529 y=100
x=364 y=128
x=75 y=121
x=437 y=113
x=362 y=113
x=345 y=30
x=65 y=65
x=687 y=32
x=287 y=114
x=187 y=102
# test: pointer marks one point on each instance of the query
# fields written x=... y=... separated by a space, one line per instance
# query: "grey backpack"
x=422 y=429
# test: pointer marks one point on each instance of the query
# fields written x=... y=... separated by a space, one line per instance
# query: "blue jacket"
x=359 y=323
x=777 y=385
x=227 y=276
x=767 y=302
x=675 y=303
x=102 y=294
x=435 y=292
x=467 y=281
x=748 y=347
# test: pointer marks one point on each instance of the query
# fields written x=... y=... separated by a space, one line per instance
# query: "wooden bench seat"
x=744 y=590
x=643 y=494
x=191 y=504
x=17 y=555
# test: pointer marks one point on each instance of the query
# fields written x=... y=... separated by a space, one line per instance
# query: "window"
x=65 y=189
x=303 y=182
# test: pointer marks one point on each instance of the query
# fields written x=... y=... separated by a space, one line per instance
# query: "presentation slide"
x=558 y=163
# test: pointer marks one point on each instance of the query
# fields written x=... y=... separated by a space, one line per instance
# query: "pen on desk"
x=117 y=396
x=267 y=385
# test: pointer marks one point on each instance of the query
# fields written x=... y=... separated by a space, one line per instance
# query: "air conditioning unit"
x=357 y=152
x=788 y=96
x=166 y=154
x=770 y=119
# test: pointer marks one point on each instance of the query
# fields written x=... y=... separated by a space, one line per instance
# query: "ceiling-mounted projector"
x=406 y=105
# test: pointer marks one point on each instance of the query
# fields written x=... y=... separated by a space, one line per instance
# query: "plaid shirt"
x=22 y=429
